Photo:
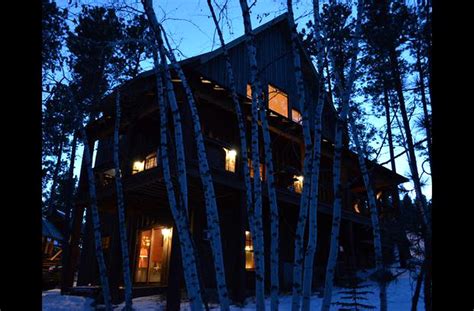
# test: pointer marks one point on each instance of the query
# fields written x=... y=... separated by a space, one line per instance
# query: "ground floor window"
x=249 y=255
x=153 y=255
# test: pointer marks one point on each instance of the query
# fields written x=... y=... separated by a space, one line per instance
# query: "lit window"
x=249 y=91
x=138 y=166
x=296 y=116
x=150 y=161
x=249 y=256
x=153 y=255
x=298 y=183
x=230 y=159
x=379 y=195
x=356 y=208
x=262 y=171
x=277 y=101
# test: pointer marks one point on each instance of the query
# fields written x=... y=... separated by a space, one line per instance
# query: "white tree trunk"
x=257 y=187
x=307 y=166
x=96 y=223
x=241 y=123
x=314 y=198
x=121 y=209
x=206 y=179
x=178 y=132
x=178 y=211
x=345 y=91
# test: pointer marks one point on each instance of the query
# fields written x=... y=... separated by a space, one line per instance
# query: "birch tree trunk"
x=178 y=132
x=121 y=208
x=315 y=167
x=373 y=216
x=96 y=222
x=206 y=179
x=257 y=187
x=178 y=211
x=345 y=91
x=241 y=123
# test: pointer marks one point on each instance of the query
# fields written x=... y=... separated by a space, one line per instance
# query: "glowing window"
x=249 y=91
x=298 y=183
x=230 y=155
x=356 y=208
x=138 y=166
x=262 y=171
x=277 y=101
x=150 y=161
x=249 y=255
x=296 y=116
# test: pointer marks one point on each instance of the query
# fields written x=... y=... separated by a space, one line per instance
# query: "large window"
x=153 y=255
x=249 y=255
x=149 y=162
x=277 y=101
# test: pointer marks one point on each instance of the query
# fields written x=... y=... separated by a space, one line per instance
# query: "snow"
x=399 y=294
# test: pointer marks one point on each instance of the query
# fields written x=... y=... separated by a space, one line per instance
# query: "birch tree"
x=204 y=170
x=344 y=92
x=257 y=187
x=316 y=158
x=241 y=124
x=121 y=207
x=177 y=208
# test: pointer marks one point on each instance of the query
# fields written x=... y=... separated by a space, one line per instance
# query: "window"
x=138 y=166
x=296 y=116
x=230 y=155
x=150 y=161
x=249 y=91
x=249 y=256
x=298 y=183
x=277 y=101
x=153 y=255
x=262 y=171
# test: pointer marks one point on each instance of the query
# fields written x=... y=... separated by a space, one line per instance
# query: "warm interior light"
x=143 y=253
x=249 y=255
x=356 y=208
x=230 y=155
x=176 y=80
x=205 y=81
x=298 y=183
x=138 y=166
x=166 y=232
x=379 y=195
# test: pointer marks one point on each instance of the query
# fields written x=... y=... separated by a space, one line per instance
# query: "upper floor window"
x=150 y=161
x=296 y=116
x=277 y=101
x=230 y=155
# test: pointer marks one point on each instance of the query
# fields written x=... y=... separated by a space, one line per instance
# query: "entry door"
x=153 y=257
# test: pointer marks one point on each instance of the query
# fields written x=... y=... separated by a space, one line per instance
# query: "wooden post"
x=115 y=260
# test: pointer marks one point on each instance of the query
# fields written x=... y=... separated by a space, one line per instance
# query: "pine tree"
x=353 y=295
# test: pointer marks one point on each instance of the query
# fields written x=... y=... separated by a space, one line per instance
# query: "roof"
x=49 y=230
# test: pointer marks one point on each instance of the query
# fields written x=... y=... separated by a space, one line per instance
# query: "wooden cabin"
x=151 y=234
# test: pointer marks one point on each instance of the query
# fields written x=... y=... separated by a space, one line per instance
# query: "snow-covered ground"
x=399 y=295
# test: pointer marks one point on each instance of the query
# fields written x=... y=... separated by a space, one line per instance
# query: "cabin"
x=153 y=246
